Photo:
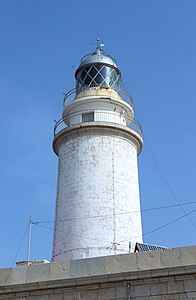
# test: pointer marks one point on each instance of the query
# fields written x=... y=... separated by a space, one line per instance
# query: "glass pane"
x=99 y=79
x=108 y=81
x=104 y=83
x=105 y=71
x=114 y=75
x=98 y=67
x=87 y=80
x=81 y=75
x=93 y=72
x=93 y=83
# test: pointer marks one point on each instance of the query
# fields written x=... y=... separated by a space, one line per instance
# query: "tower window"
x=88 y=117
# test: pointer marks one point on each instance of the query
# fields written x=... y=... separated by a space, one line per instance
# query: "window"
x=88 y=117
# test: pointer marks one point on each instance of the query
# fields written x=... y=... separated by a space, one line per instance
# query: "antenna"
x=29 y=240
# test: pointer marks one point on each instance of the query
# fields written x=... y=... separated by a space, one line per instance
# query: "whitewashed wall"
x=97 y=176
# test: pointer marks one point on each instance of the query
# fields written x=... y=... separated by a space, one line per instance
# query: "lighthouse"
x=97 y=142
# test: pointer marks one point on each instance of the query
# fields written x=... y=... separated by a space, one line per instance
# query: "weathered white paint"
x=97 y=192
x=107 y=105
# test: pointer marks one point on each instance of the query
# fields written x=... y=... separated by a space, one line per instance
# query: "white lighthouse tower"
x=97 y=142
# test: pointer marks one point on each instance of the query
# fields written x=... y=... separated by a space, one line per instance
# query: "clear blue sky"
x=154 y=44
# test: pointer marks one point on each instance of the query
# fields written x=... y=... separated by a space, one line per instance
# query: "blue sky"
x=42 y=43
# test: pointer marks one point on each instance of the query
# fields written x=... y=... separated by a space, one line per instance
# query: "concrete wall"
x=97 y=193
x=157 y=275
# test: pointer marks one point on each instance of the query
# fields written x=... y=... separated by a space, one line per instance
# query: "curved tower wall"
x=97 y=205
x=97 y=191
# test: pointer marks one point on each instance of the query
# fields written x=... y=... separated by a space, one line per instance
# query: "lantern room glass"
x=97 y=75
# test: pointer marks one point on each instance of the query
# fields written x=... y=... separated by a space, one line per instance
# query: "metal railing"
x=99 y=116
x=70 y=96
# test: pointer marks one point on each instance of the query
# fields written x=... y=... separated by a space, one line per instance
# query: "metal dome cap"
x=97 y=70
x=98 y=56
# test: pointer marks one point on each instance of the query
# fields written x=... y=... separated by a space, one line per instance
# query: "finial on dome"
x=99 y=46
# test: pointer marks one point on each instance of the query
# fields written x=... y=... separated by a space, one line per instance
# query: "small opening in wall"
x=88 y=117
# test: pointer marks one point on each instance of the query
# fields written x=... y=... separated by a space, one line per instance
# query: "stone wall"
x=165 y=274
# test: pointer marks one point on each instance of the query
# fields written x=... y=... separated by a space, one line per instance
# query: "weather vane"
x=99 y=44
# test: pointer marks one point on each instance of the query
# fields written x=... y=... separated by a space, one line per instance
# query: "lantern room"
x=97 y=70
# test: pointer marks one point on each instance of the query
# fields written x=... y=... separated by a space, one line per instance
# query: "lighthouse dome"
x=97 y=70
x=98 y=56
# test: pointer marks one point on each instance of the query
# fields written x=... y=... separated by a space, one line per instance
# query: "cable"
x=163 y=226
x=16 y=254
x=144 y=234
x=174 y=221
x=165 y=180
x=163 y=176
x=66 y=83
x=167 y=184
x=74 y=234
x=110 y=216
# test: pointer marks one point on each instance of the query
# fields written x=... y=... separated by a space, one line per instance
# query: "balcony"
x=71 y=95
x=98 y=117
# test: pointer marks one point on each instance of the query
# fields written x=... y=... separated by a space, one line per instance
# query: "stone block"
x=120 y=263
x=96 y=266
x=148 y=260
x=188 y=255
x=60 y=270
x=190 y=285
x=37 y=273
x=140 y=290
x=88 y=295
x=121 y=292
x=70 y=296
x=175 y=287
x=108 y=293
x=191 y=295
x=19 y=275
x=171 y=258
x=55 y=297
x=79 y=268
x=152 y=298
x=158 y=288
x=5 y=276
x=180 y=296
